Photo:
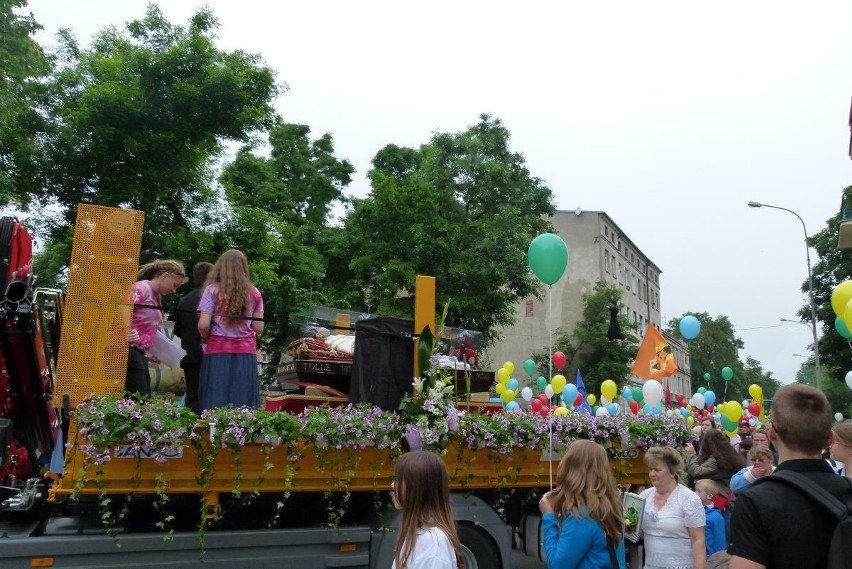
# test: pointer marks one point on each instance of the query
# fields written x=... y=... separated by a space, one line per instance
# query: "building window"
x=635 y=318
x=530 y=312
x=606 y=230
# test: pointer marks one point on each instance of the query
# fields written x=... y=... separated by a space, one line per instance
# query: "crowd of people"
x=218 y=323
x=710 y=505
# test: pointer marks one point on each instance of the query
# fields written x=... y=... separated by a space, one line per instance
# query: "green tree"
x=463 y=208
x=834 y=266
x=139 y=119
x=717 y=347
x=587 y=348
x=22 y=97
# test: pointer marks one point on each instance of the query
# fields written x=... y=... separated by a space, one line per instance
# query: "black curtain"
x=383 y=366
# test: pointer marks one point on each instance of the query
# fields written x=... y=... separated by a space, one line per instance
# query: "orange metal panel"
x=103 y=267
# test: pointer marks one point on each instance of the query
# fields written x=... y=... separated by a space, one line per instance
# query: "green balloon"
x=548 y=257
x=638 y=396
x=702 y=390
x=727 y=373
x=529 y=367
x=541 y=382
x=842 y=328
x=729 y=425
x=707 y=377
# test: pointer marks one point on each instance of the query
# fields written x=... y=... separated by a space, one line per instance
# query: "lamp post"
x=810 y=286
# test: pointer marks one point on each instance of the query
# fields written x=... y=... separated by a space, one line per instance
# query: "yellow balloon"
x=731 y=434
x=733 y=411
x=558 y=383
x=688 y=407
x=840 y=297
x=560 y=411
x=690 y=420
x=609 y=389
x=509 y=366
x=591 y=399
x=720 y=408
x=503 y=375
x=500 y=388
x=508 y=395
x=755 y=391
x=847 y=313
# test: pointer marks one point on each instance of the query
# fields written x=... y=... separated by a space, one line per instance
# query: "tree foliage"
x=462 y=208
x=587 y=348
x=138 y=120
x=834 y=266
x=22 y=97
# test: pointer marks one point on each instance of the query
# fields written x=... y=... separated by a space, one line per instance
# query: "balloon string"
x=550 y=376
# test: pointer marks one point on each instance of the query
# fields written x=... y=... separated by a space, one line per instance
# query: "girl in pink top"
x=155 y=279
x=231 y=316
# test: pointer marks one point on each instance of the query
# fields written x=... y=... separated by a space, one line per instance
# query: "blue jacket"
x=580 y=543
x=715 y=534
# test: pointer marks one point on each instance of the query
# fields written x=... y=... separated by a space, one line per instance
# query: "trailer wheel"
x=479 y=550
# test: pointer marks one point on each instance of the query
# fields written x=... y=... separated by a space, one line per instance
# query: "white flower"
x=418 y=385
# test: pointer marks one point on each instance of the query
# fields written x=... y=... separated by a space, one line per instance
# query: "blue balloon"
x=685 y=412
x=512 y=406
x=647 y=408
x=709 y=397
x=657 y=409
x=569 y=393
x=690 y=326
x=512 y=384
x=628 y=394
x=612 y=408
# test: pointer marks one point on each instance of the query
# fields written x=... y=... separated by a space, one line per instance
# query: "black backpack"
x=840 y=549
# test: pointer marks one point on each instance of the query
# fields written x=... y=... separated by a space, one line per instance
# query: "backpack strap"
x=837 y=507
x=613 y=558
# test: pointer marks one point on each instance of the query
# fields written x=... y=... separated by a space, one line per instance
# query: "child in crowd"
x=715 y=536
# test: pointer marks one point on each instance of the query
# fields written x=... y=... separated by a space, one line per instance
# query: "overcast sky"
x=668 y=115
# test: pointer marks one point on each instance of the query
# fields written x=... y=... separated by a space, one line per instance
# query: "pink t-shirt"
x=146 y=321
x=229 y=336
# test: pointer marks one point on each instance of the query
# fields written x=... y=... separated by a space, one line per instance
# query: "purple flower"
x=413 y=437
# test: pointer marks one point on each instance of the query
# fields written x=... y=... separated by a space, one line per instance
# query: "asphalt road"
x=521 y=561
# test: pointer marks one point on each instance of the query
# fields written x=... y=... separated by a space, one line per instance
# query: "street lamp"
x=810 y=285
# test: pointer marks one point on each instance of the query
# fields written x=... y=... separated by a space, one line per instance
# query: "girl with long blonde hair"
x=582 y=517
x=427 y=533
x=230 y=318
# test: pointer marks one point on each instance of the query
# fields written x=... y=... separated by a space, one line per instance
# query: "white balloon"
x=669 y=412
x=526 y=393
x=745 y=403
x=652 y=391
x=602 y=412
x=698 y=401
x=548 y=391
x=849 y=379
x=838 y=416
x=603 y=402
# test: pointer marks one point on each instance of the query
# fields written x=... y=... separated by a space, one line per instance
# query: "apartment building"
x=598 y=250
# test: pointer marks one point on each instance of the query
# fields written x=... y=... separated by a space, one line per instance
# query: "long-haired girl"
x=582 y=516
x=230 y=317
x=427 y=533
x=153 y=280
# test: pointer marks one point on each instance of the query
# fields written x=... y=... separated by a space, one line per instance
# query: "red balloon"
x=559 y=360
x=544 y=411
x=634 y=407
x=535 y=404
x=579 y=400
x=543 y=398
x=754 y=409
x=710 y=407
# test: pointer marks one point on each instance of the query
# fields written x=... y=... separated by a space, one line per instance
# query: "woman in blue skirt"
x=230 y=318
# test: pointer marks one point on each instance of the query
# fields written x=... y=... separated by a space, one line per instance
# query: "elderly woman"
x=673 y=524
x=761 y=465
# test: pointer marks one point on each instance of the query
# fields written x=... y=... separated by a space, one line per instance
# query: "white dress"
x=432 y=550
x=667 y=542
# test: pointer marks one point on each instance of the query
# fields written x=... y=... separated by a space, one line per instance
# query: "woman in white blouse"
x=673 y=524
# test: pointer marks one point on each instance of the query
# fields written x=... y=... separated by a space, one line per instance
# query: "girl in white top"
x=427 y=535
x=673 y=524
x=841 y=447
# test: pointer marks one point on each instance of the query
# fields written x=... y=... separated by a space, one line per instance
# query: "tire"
x=478 y=548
